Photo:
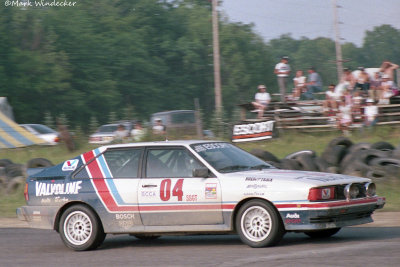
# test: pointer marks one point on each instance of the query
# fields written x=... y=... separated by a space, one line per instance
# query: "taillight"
x=56 y=139
x=26 y=195
x=322 y=193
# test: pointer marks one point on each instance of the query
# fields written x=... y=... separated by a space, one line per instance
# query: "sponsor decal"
x=253 y=194
x=256 y=186
x=124 y=216
x=323 y=178
x=70 y=165
x=258 y=179
x=292 y=218
x=211 y=191
x=148 y=194
x=45 y=200
x=326 y=193
x=51 y=189
x=210 y=146
x=60 y=199
x=191 y=198
x=246 y=132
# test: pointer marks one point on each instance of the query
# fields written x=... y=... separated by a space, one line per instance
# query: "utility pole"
x=339 y=60
x=217 y=71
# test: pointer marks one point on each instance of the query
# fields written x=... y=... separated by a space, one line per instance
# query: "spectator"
x=299 y=85
x=388 y=68
x=357 y=105
x=362 y=81
x=138 y=132
x=330 y=103
x=370 y=113
x=282 y=70
x=348 y=79
x=344 y=117
x=121 y=133
x=314 y=84
x=262 y=99
x=158 y=127
x=386 y=92
x=375 y=87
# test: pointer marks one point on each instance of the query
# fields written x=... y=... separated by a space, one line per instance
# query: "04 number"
x=165 y=189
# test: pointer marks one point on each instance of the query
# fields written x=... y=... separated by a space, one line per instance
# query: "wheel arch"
x=243 y=201
x=70 y=204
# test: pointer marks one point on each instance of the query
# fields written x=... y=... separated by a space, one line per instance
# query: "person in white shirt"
x=370 y=113
x=330 y=102
x=386 y=93
x=282 y=71
x=261 y=100
x=344 y=117
x=299 y=85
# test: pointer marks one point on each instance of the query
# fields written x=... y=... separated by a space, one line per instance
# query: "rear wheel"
x=258 y=224
x=80 y=229
x=322 y=233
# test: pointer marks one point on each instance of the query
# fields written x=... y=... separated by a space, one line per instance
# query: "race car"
x=190 y=187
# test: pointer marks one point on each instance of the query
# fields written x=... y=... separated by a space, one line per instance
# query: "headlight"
x=351 y=191
x=370 y=189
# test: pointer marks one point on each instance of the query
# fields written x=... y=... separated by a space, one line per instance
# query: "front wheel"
x=80 y=229
x=258 y=224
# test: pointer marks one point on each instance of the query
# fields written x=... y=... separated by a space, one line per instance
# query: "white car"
x=42 y=131
x=106 y=133
x=190 y=187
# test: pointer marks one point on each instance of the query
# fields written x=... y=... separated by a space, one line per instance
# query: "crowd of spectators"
x=353 y=99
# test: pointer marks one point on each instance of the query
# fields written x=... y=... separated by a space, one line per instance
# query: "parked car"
x=106 y=133
x=190 y=187
x=177 y=122
x=42 y=131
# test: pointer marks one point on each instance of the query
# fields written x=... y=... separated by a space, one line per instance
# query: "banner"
x=252 y=131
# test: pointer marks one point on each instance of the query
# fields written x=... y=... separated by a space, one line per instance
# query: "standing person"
x=388 y=67
x=370 y=113
x=386 y=93
x=330 y=104
x=344 y=117
x=314 y=83
x=375 y=87
x=138 y=132
x=282 y=71
x=262 y=99
x=159 y=128
x=121 y=133
x=348 y=79
x=362 y=81
x=299 y=84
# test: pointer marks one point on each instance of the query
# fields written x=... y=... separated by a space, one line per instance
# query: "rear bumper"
x=326 y=215
x=42 y=217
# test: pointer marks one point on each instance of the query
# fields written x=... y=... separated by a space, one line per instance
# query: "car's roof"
x=162 y=143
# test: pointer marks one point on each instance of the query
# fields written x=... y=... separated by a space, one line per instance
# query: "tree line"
x=129 y=59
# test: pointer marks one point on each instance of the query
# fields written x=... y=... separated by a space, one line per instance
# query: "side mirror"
x=201 y=172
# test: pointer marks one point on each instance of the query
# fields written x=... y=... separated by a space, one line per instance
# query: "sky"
x=313 y=18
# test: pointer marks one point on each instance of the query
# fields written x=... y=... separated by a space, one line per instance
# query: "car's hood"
x=292 y=176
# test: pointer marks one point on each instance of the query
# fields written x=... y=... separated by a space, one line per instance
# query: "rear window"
x=180 y=118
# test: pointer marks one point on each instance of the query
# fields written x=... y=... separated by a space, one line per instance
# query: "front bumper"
x=41 y=217
x=326 y=215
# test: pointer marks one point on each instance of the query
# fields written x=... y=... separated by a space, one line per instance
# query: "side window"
x=169 y=163
x=123 y=163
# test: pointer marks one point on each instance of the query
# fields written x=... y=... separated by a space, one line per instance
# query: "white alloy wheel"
x=78 y=228
x=258 y=224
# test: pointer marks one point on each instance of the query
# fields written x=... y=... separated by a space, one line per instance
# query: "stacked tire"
x=13 y=175
x=378 y=161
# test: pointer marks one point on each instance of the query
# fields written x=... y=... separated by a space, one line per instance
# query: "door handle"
x=149 y=185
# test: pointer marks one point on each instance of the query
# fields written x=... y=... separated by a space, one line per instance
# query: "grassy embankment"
x=288 y=143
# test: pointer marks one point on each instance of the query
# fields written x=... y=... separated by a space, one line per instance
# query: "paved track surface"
x=353 y=246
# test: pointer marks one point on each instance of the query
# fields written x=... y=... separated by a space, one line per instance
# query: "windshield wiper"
x=233 y=168
x=260 y=167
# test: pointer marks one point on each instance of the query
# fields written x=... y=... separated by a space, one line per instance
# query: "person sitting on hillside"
x=262 y=99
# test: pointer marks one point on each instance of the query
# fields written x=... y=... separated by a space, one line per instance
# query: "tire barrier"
x=13 y=176
x=378 y=161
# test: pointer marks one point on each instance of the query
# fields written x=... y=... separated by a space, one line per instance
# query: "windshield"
x=42 y=129
x=226 y=158
x=108 y=128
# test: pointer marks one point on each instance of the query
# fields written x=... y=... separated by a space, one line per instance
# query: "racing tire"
x=39 y=163
x=322 y=233
x=5 y=162
x=382 y=145
x=258 y=224
x=264 y=155
x=307 y=162
x=321 y=164
x=340 y=141
x=14 y=184
x=358 y=147
x=145 y=237
x=334 y=154
x=81 y=229
x=290 y=164
x=15 y=170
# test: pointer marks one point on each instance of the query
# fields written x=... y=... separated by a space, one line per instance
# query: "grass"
x=288 y=142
